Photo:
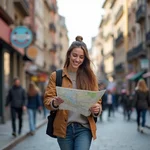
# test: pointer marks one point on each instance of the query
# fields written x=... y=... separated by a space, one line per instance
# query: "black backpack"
x=51 y=117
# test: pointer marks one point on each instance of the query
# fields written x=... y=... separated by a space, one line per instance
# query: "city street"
x=113 y=134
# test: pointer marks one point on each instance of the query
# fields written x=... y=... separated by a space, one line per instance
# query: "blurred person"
x=17 y=99
x=73 y=130
x=127 y=103
x=33 y=104
x=141 y=103
x=102 y=87
x=45 y=111
x=110 y=102
x=123 y=101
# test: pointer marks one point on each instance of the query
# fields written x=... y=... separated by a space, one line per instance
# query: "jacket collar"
x=65 y=72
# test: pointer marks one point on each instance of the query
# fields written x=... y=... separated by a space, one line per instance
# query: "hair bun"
x=79 y=38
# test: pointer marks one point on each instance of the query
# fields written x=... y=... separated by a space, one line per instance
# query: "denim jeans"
x=141 y=113
x=16 y=112
x=32 y=118
x=77 y=138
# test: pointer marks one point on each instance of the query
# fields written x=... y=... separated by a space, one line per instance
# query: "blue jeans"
x=77 y=138
x=141 y=113
x=32 y=119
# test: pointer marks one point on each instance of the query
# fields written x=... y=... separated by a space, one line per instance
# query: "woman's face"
x=76 y=58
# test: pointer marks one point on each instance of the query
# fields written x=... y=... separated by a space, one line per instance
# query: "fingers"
x=96 y=108
x=57 y=101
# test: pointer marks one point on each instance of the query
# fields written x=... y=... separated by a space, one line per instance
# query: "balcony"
x=52 y=27
x=140 y=14
x=107 y=19
x=136 y=52
x=119 y=39
x=23 y=6
x=53 y=48
x=119 y=68
x=5 y=16
x=112 y=3
x=119 y=14
x=148 y=38
x=53 y=8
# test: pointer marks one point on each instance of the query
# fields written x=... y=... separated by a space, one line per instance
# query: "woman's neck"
x=70 y=69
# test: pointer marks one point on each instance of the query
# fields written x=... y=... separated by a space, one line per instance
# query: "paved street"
x=6 y=138
x=113 y=134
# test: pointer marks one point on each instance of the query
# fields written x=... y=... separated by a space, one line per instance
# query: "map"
x=78 y=100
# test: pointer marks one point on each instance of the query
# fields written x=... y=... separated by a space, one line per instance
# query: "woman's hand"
x=96 y=109
x=57 y=101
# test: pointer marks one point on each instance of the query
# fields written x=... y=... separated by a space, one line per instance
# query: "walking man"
x=17 y=99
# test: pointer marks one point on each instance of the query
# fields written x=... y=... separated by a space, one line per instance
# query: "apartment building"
x=96 y=56
x=138 y=53
x=11 y=58
x=107 y=27
x=63 y=41
x=36 y=61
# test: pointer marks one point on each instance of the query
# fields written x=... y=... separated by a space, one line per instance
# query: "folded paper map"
x=78 y=100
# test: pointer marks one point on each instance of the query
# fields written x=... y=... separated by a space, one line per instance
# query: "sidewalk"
x=7 y=141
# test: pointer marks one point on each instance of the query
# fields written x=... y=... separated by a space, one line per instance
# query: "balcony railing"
x=112 y=3
x=119 y=14
x=119 y=39
x=119 y=67
x=140 y=13
x=148 y=38
x=23 y=5
x=53 y=8
x=53 y=48
x=52 y=27
x=136 y=52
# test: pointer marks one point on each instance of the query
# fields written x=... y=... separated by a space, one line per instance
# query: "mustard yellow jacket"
x=60 y=122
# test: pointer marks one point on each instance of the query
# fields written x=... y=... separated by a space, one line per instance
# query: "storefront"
x=10 y=66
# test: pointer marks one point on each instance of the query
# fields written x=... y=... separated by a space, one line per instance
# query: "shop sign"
x=21 y=37
x=32 y=52
x=144 y=63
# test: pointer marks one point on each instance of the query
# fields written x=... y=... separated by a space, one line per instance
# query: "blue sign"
x=21 y=37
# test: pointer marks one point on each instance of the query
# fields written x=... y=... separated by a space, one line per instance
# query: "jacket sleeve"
x=50 y=91
x=24 y=98
x=148 y=99
x=39 y=100
x=8 y=98
x=135 y=98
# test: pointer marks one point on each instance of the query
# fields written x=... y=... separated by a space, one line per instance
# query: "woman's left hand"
x=96 y=108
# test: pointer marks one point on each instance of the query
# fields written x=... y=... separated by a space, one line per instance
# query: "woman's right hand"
x=57 y=101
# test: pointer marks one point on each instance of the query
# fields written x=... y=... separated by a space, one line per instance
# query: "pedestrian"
x=17 y=99
x=34 y=103
x=129 y=105
x=102 y=87
x=73 y=130
x=110 y=103
x=45 y=111
x=141 y=103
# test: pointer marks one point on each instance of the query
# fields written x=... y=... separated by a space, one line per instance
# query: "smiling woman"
x=71 y=127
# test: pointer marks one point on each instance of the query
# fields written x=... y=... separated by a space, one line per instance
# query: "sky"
x=82 y=18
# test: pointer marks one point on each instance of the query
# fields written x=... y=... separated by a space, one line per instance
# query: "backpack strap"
x=59 y=77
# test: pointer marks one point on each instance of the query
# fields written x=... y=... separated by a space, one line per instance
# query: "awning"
x=130 y=75
x=146 y=75
x=137 y=76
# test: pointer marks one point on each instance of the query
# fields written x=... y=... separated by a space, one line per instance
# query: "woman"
x=142 y=103
x=73 y=130
x=34 y=103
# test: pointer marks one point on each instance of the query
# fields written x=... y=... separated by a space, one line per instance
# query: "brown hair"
x=86 y=78
x=141 y=85
x=33 y=89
